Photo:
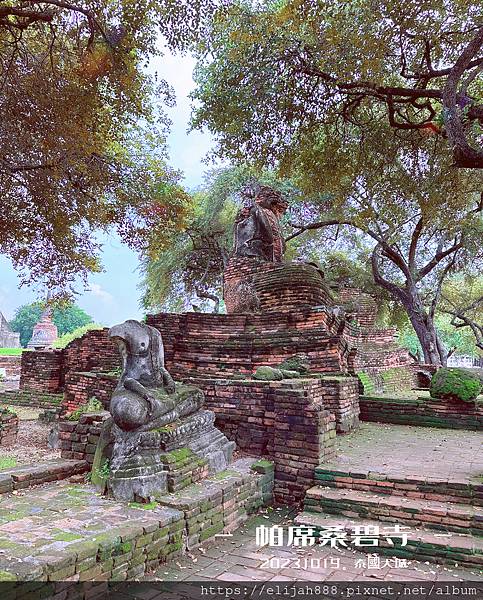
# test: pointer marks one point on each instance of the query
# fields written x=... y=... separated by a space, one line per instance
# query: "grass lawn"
x=11 y=351
x=7 y=462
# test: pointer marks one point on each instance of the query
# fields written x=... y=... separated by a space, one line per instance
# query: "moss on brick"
x=266 y=373
x=225 y=474
x=66 y=536
x=262 y=466
x=366 y=382
x=144 y=506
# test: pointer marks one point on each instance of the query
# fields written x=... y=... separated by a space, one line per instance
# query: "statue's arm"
x=138 y=388
x=168 y=381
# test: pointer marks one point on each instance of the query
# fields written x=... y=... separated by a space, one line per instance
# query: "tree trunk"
x=422 y=321
x=433 y=350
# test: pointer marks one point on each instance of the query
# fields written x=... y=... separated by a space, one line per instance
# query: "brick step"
x=422 y=545
x=443 y=516
x=442 y=489
x=22 y=477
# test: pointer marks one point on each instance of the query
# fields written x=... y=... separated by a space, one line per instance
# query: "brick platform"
x=27 y=476
x=432 y=514
x=428 y=480
x=220 y=346
x=423 y=411
x=422 y=545
x=30 y=398
x=80 y=536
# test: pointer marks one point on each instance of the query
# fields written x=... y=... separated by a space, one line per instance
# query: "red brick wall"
x=41 y=371
x=8 y=428
x=209 y=345
x=94 y=351
x=340 y=395
x=284 y=421
x=11 y=364
x=78 y=439
x=47 y=370
x=364 y=306
x=80 y=387
x=429 y=412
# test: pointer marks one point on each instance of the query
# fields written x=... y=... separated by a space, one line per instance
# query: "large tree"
x=423 y=219
x=82 y=144
x=462 y=301
x=418 y=62
x=396 y=185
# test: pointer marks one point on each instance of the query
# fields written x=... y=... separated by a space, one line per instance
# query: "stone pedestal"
x=147 y=464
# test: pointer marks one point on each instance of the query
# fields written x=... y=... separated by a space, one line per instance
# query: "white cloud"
x=99 y=292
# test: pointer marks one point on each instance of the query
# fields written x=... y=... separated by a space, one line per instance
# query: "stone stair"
x=460 y=491
x=431 y=514
x=422 y=545
x=443 y=518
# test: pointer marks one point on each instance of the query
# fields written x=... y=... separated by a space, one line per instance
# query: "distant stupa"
x=8 y=338
x=45 y=331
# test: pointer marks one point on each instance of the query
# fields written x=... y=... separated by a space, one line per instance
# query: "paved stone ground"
x=238 y=558
x=50 y=520
x=407 y=450
x=49 y=517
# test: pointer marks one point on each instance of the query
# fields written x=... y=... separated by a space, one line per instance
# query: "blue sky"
x=114 y=294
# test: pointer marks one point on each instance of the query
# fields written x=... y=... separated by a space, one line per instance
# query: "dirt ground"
x=31 y=445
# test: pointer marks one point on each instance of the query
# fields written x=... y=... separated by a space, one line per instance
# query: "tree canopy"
x=82 y=133
x=67 y=318
x=271 y=71
x=263 y=93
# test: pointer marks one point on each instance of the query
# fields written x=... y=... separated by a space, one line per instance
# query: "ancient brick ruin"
x=8 y=338
x=45 y=331
x=275 y=310
x=8 y=428
x=296 y=314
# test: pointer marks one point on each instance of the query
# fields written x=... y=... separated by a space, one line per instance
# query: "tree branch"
x=464 y=154
x=437 y=258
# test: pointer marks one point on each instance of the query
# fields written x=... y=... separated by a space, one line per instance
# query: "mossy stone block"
x=455 y=384
x=266 y=373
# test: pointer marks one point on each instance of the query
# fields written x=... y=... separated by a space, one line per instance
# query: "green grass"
x=7 y=462
x=11 y=351
x=144 y=506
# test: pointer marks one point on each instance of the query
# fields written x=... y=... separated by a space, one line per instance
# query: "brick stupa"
x=45 y=332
